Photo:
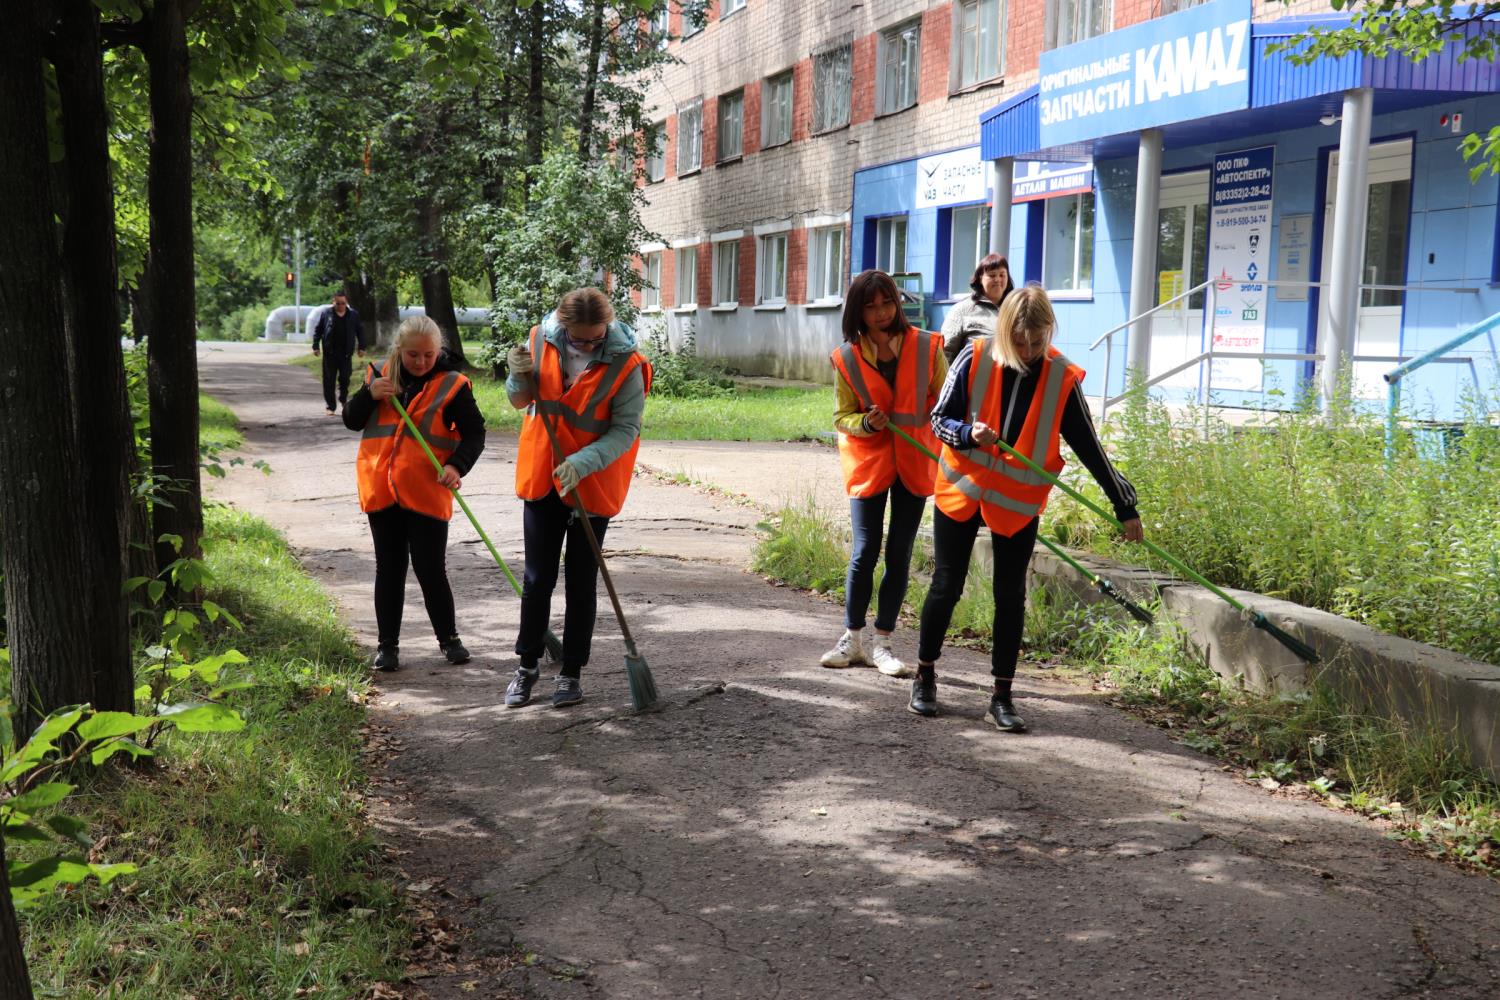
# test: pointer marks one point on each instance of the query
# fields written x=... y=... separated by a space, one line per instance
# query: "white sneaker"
x=847 y=652
x=886 y=661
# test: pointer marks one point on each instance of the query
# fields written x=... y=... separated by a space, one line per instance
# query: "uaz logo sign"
x=1214 y=58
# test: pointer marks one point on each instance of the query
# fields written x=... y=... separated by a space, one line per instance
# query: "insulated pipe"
x=1143 y=252
x=277 y=320
x=1002 y=180
x=1350 y=210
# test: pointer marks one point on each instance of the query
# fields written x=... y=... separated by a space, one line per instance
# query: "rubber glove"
x=567 y=477
x=519 y=360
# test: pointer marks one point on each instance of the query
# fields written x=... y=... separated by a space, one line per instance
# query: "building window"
x=727 y=272
x=970 y=242
x=978 y=43
x=890 y=245
x=776 y=111
x=730 y=6
x=656 y=157
x=1070 y=21
x=731 y=125
x=1173 y=6
x=689 y=138
x=771 y=286
x=831 y=84
x=900 y=51
x=825 y=266
x=692 y=23
x=687 y=277
x=651 y=271
x=1068 y=244
x=661 y=25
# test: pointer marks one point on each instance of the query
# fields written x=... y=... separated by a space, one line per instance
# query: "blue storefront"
x=1247 y=246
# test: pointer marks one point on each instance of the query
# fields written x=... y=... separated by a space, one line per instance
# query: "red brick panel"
x=747 y=270
x=674 y=25
x=796 y=266
x=937 y=44
x=710 y=131
x=639 y=267
x=711 y=14
x=1025 y=34
x=752 y=117
x=802 y=100
x=668 y=271
x=862 y=83
x=706 y=274
x=1128 y=12
x=669 y=146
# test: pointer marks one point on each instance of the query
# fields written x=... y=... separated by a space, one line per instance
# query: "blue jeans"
x=867 y=514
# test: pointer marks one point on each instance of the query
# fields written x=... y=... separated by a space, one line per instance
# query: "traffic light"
x=286 y=252
x=291 y=279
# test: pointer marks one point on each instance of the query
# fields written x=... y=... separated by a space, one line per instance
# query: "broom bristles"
x=642 y=686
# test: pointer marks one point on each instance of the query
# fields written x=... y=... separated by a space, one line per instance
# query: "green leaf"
x=72 y=828
x=106 y=750
x=19 y=832
x=155 y=589
x=202 y=717
x=134 y=582
x=48 y=794
x=102 y=725
x=42 y=742
x=108 y=873
x=174 y=540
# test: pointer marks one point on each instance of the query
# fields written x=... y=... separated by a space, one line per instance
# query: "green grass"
x=259 y=876
x=218 y=427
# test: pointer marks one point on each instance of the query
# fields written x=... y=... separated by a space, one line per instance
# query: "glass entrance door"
x=1181 y=263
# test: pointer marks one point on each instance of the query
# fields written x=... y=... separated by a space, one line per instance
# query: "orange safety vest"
x=393 y=470
x=1007 y=492
x=580 y=416
x=872 y=462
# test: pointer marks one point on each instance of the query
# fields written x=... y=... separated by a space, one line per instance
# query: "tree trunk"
x=171 y=345
x=536 y=64
x=100 y=407
x=15 y=980
x=591 y=85
x=437 y=288
x=387 y=312
x=41 y=495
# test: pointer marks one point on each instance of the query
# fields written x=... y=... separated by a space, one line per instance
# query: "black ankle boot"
x=1003 y=714
x=454 y=650
x=386 y=659
x=924 y=694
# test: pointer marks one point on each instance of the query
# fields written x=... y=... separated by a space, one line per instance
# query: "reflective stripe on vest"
x=558 y=409
x=973 y=491
x=1057 y=371
x=852 y=364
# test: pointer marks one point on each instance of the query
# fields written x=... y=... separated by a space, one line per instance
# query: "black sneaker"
x=454 y=650
x=924 y=695
x=569 y=692
x=386 y=659
x=1003 y=714
x=519 y=691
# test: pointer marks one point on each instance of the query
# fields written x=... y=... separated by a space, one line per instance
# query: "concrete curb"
x=1427 y=687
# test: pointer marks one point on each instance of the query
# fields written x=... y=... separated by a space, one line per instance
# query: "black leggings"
x=953 y=544
x=401 y=535
x=548 y=523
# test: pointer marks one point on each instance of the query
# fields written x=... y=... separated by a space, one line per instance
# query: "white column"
x=1002 y=179
x=1350 y=208
x=1143 y=253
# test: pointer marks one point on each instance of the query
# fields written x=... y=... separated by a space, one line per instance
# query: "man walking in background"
x=341 y=335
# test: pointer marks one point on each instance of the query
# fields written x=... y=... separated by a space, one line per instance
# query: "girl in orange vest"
x=1014 y=387
x=407 y=503
x=887 y=372
x=593 y=384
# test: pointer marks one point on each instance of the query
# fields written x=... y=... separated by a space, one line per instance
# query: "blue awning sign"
x=1037 y=180
x=1191 y=64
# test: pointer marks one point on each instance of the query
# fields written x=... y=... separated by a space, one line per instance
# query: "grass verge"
x=258 y=873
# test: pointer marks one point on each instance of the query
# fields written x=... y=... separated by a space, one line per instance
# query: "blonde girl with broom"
x=408 y=505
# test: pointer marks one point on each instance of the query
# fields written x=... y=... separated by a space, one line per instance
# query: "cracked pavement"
x=778 y=830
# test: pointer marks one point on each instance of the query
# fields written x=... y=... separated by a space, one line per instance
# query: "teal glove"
x=567 y=478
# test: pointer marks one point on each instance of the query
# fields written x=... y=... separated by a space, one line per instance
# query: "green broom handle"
x=456 y=495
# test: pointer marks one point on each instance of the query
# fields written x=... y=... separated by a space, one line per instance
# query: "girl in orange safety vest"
x=887 y=373
x=408 y=504
x=1017 y=388
x=593 y=384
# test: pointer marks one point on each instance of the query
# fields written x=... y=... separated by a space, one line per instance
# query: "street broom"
x=637 y=672
x=554 y=644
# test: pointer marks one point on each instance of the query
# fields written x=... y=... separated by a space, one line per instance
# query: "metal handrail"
x=1155 y=309
x=1395 y=375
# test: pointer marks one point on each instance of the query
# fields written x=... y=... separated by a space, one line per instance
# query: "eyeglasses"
x=580 y=342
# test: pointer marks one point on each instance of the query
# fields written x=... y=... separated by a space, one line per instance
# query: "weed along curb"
x=1424 y=686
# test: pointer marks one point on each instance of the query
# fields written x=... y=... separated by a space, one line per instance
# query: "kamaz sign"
x=1187 y=65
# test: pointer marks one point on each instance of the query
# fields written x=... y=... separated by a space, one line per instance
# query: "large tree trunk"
x=387 y=311
x=41 y=495
x=171 y=346
x=97 y=370
x=15 y=980
x=536 y=65
x=437 y=288
x=590 y=85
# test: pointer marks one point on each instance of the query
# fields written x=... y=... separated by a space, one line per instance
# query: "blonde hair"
x=1026 y=311
x=412 y=329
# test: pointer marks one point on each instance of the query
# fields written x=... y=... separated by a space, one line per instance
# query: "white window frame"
x=1070 y=21
x=898 y=73
x=726 y=289
x=690 y=27
x=832 y=69
x=730 y=6
x=960 y=273
x=656 y=152
x=825 y=263
x=661 y=25
x=685 y=286
x=651 y=272
x=971 y=41
x=1078 y=291
x=734 y=98
x=771 y=271
x=885 y=234
x=776 y=110
x=690 y=140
